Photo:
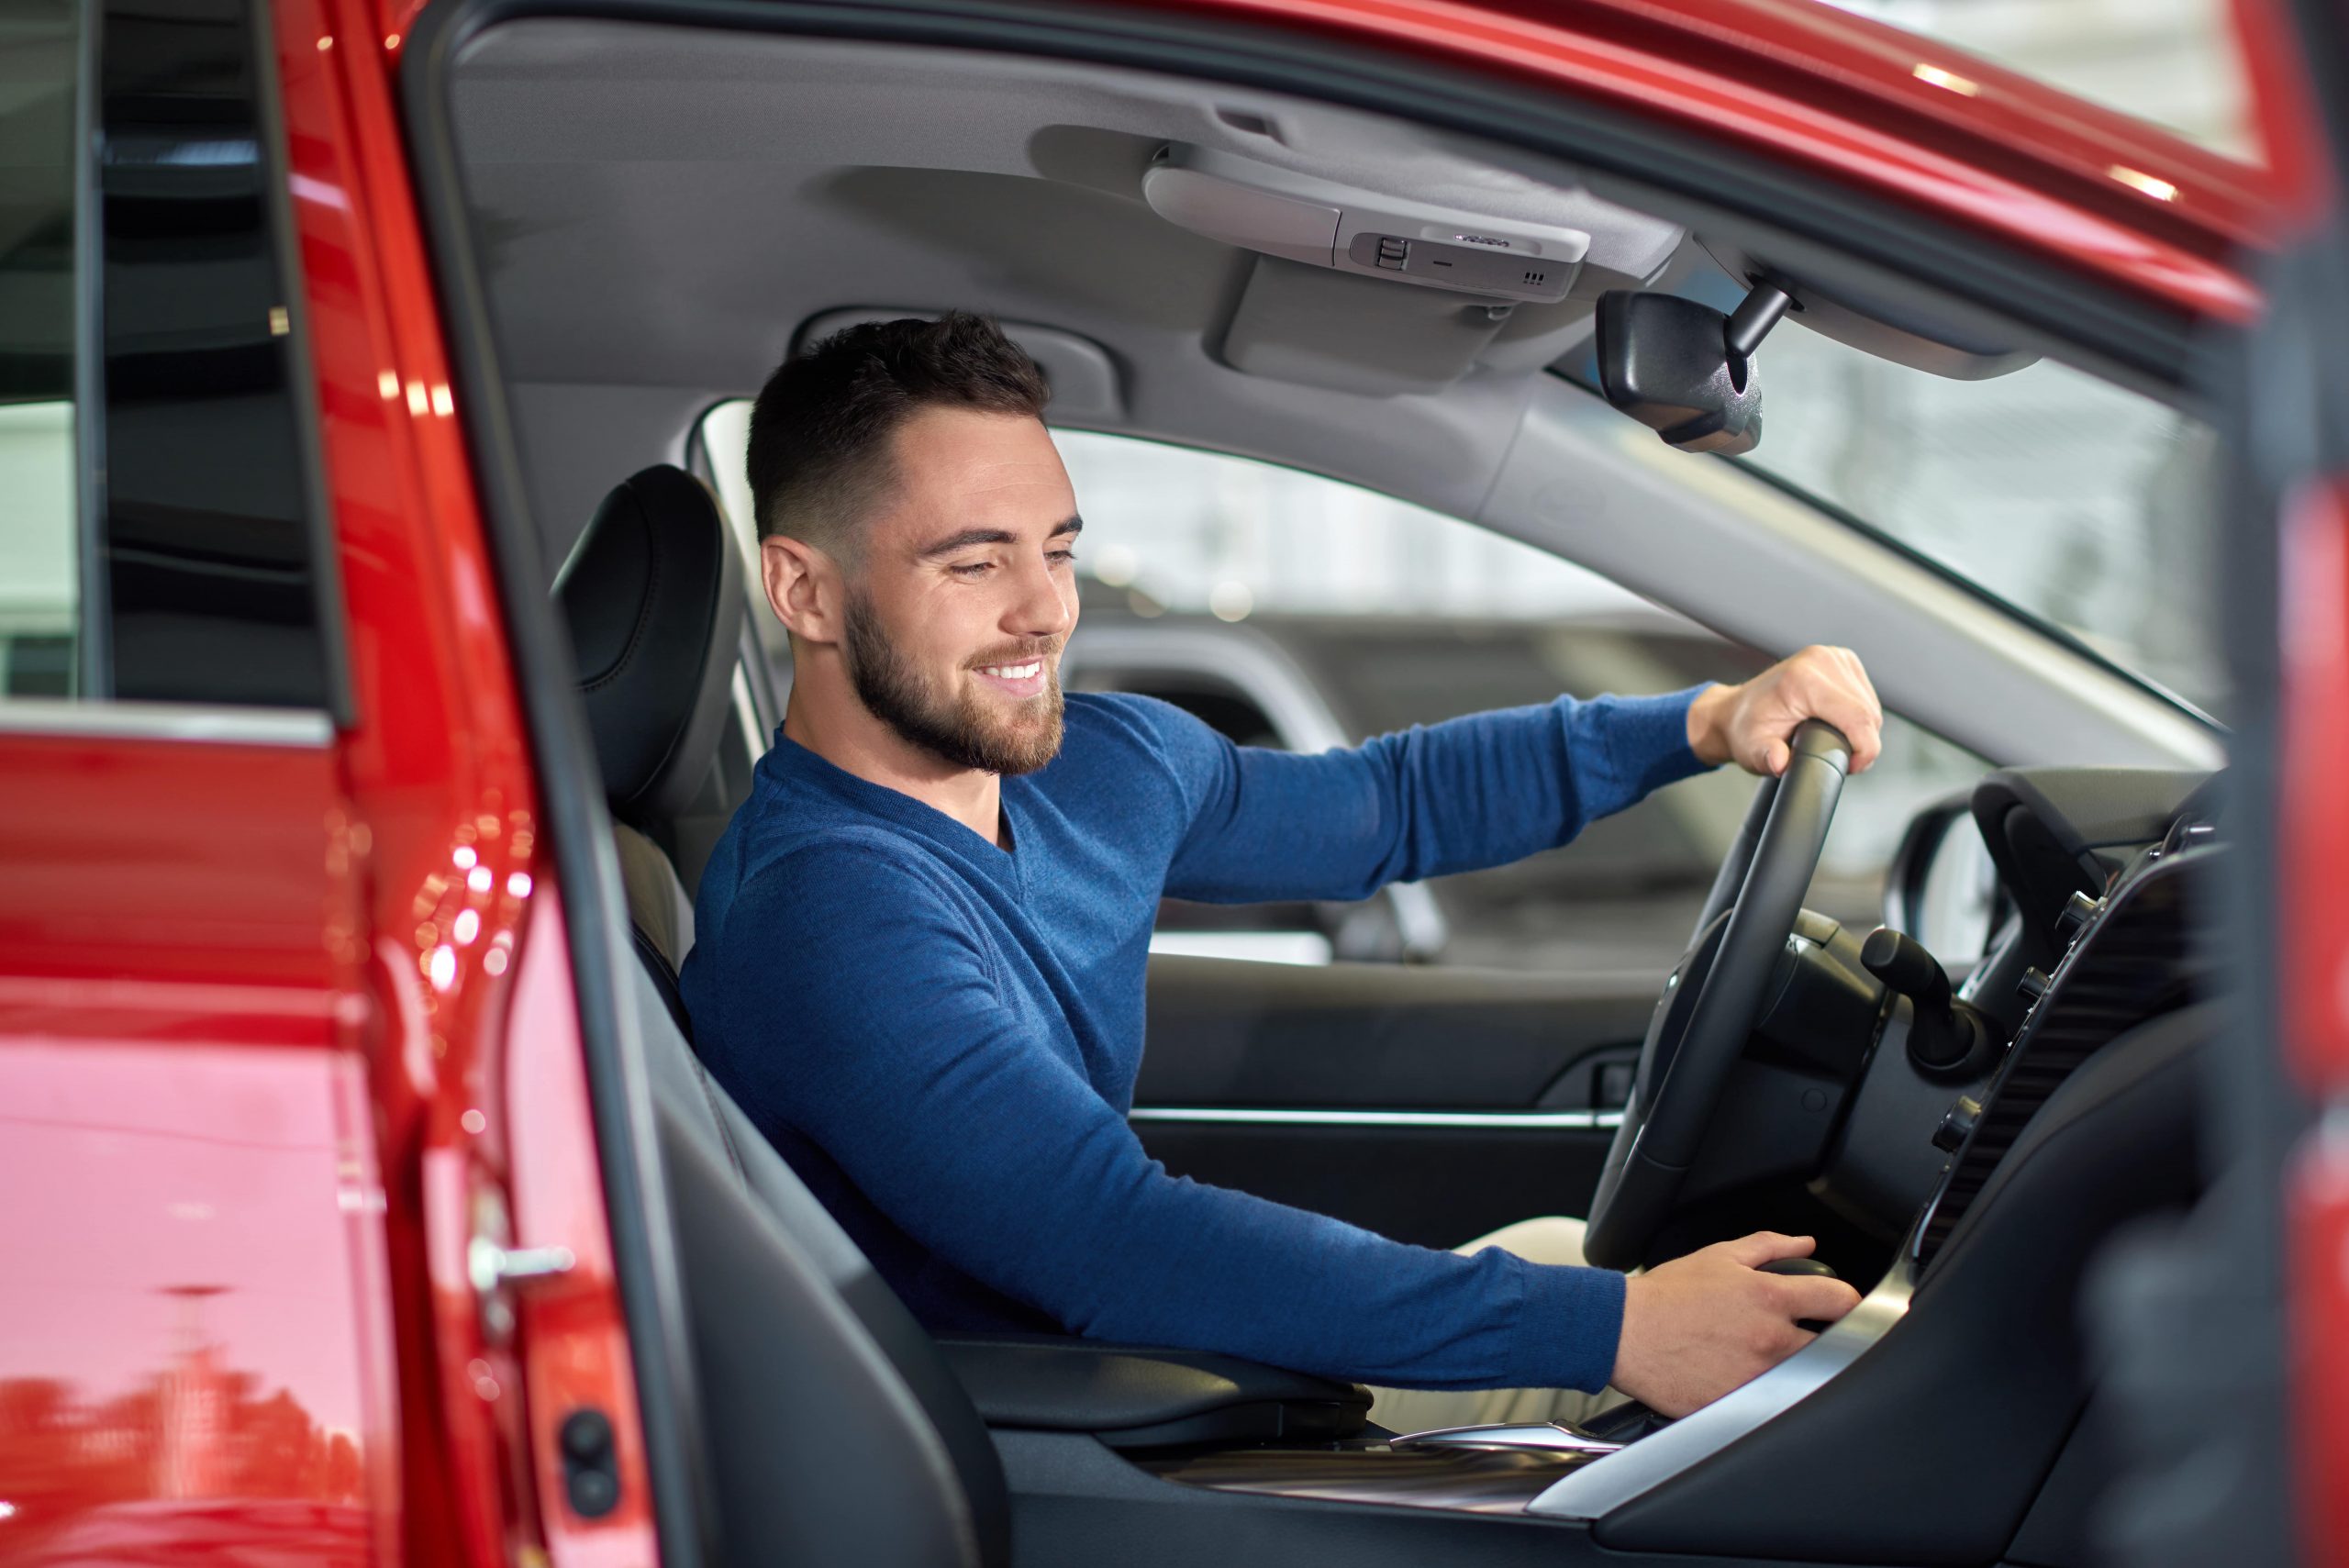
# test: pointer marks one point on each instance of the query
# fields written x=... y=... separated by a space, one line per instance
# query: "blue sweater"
x=941 y=1036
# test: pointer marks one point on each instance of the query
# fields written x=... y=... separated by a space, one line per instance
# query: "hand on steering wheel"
x=1683 y=1069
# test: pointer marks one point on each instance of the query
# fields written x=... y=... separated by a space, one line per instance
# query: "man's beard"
x=963 y=731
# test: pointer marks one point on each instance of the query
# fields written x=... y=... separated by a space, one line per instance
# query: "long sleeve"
x=887 y=1039
x=1460 y=795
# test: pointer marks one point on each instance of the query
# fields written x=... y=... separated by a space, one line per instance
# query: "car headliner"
x=658 y=210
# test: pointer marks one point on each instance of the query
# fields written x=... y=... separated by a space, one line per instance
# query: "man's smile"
x=1018 y=680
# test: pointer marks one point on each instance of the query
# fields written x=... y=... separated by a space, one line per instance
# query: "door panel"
x=184 y=1328
x=1431 y=1187
x=1429 y=1105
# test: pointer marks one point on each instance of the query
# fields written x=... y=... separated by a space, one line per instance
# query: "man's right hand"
x=1700 y=1325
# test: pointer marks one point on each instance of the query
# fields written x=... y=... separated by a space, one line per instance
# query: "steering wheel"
x=1696 y=1038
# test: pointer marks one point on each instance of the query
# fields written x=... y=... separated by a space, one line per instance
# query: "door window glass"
x=207 y=544
x=191 y=571
x=1310 y=597
x=39 y=576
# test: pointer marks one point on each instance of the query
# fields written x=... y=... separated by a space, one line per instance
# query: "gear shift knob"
x=1901 y=961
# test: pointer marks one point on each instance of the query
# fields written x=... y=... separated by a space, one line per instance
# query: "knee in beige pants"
x=1551 y=1239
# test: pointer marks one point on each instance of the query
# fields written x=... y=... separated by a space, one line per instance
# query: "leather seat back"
x=652 y=592
x=652 y=595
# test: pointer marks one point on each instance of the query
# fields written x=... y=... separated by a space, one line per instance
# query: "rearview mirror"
x=1684 y=369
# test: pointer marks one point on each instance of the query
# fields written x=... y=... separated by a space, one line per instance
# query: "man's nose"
x=1043 y=607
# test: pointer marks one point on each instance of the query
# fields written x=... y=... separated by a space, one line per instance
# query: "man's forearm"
x=1480 y=791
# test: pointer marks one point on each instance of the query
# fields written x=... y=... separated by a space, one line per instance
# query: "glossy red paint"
x=2315 y=759
x=1873 y=109
x=1817 y=89
x=437 y=768
x=187 y=1343
x=2291 y=131
x=115 y=907
x=571 y=1324
x=2316 y=1212
x=2315 y=967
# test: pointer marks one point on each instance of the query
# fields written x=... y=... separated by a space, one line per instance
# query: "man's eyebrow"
x=970 y=536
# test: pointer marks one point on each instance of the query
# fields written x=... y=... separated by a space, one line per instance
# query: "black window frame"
x=98 y=294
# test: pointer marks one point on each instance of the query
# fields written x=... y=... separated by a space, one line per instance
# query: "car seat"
x=835 y=1431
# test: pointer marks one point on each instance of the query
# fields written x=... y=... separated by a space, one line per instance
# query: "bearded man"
x=923 y=938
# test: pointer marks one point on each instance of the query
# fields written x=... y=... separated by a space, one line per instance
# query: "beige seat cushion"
x=656 y=900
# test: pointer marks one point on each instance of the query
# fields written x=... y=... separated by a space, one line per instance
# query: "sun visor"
x=1362 y=292
x=1307 y=324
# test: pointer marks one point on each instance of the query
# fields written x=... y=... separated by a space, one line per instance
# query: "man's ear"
x=804 y=588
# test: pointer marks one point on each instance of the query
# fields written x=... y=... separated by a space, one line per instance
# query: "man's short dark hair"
x=819 y=458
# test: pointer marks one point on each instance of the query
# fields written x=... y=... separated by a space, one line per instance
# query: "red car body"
x=288 y=1019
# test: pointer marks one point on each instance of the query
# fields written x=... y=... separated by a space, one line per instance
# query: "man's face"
x=956 y=617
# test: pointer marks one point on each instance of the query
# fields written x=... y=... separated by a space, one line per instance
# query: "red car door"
x=193 y=1339
x=270 y=902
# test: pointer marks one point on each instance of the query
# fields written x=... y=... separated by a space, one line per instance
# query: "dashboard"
x=1954 y=1415
x=1949 y=1399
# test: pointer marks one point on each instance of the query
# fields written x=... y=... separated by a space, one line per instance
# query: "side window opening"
x=164 y=542
x=1287 y=609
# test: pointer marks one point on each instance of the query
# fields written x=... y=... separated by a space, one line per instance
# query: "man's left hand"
x=1750 y=724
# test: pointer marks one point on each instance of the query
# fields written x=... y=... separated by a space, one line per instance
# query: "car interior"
x=653 y=214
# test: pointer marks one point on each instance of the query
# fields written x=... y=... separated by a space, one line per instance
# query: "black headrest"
x=653 y=595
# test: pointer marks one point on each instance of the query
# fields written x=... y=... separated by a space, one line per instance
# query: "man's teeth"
x=1011 y=672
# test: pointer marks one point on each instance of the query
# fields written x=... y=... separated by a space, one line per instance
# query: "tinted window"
x=207 y=530
x=177 y=561
x=39 y=577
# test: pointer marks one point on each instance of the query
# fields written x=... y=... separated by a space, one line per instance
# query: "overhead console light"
x=1275 y=212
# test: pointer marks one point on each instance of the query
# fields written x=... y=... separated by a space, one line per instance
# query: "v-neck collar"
x=789 y=763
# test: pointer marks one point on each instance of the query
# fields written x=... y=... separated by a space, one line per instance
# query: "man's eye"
x=1060 y=555
x=973 y=569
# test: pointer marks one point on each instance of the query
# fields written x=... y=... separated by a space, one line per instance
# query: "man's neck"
x=860 y=744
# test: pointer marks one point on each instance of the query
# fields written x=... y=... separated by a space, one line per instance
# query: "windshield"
x=2086 y=506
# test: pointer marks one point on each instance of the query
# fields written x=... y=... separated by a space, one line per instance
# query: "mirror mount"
x=1684 y=369
x=1752 y=320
